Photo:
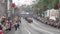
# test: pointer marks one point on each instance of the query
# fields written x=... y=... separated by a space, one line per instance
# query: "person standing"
x=20 y=19
x=8 y=26
x=18 y=25
x=15 y=25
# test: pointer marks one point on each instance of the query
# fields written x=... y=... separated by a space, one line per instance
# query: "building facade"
x=52 y=14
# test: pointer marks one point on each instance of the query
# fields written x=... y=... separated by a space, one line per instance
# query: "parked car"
x=50 y=22
x=38 y=18
x=35 y=16
x=42 y=20
x=57 y=25
x=46 y=21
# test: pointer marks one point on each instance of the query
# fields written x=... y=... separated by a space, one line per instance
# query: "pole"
x=13 y=11
x=49 y=13
x=59 y=13
x=8 y=7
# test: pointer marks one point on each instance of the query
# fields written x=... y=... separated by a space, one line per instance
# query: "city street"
x=29 y=16
x=34 y=28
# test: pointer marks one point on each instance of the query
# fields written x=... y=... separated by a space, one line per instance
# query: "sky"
x=22 y=2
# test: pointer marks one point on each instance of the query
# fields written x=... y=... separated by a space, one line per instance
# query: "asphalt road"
x=34 y=28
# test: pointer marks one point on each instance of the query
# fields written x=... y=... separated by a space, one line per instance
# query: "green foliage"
x=46 y=4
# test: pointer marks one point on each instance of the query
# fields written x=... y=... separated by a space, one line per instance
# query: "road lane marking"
x=37 y=29
x=28 y=31
x=45 y=27
x=40 y=29
x=25 y=27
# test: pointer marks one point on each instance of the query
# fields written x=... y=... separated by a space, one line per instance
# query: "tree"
x=51 y=4
x=40 y=6
x=46 y=4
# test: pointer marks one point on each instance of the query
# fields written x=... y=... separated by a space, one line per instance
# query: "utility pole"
x=6 y=8
x=9 y=7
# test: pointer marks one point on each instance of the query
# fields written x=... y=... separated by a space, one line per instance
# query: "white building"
x=52 y=14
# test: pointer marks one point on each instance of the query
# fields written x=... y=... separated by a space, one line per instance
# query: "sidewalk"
x=10 y=32
x=13 y=31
